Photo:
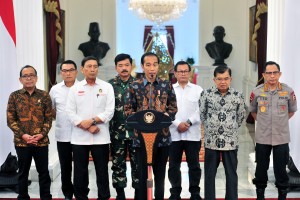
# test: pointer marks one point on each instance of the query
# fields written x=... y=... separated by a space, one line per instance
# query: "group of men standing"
x=91 y=115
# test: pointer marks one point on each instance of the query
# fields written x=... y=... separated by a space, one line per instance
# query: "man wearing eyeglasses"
x=272 y=104
x=63 y=127
x=90 y=106
x=29 y=116
x=185 y=133
x=222 y=111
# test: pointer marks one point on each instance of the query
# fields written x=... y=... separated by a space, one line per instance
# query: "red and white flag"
x=9 y=72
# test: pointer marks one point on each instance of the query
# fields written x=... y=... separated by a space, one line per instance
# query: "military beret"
x=148 y=121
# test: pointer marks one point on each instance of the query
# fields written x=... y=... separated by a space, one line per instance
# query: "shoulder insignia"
x=293 y=96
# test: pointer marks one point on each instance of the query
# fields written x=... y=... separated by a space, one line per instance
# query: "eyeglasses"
x=272 y=73
x=183 y=72
x=223 y=79
x=68 y=70
x=30 y=76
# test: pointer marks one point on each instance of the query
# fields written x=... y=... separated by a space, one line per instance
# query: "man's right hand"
x=85 y=124
x=29 y=139
x=94 y=129
x=182 y=127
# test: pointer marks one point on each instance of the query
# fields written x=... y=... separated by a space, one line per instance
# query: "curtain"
x=147 y=37
x=259 y=38
x=170 y=40
x=53 y=37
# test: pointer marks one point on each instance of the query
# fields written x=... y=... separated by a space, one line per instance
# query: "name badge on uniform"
x=80 y=93
x=282 y=93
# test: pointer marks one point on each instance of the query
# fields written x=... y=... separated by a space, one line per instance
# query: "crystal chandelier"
x=158 y=11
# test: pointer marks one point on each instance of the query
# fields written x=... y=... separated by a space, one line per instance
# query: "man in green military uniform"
x=272 y=105
x=121 y=142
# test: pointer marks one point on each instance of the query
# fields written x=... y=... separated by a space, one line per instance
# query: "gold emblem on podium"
x=149 y=117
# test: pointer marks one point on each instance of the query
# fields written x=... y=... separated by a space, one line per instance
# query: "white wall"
x=78 y=15
x=233 y=16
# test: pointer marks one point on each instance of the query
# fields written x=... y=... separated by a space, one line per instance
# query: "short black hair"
x=122 y=56
x=221 y=70
x=68 y=62
x=271 y=63
x=181 y=63
x=84 y=60
x=27 y=66
x=148 y=54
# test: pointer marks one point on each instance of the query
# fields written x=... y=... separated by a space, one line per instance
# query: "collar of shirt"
x=177 y=84
x=119 y=80
x=62 y=84
x=266 y=87
x=154 y=82
x=23 y=91
x=215 y=90
x=97 y=82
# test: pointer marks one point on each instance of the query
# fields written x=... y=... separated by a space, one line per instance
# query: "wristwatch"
x=94 y=121
x=189 y=122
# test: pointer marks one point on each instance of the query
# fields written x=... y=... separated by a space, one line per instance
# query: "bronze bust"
x=218 y=49
x=94 y=47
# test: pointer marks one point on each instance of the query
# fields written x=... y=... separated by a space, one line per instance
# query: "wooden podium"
x=148 y=123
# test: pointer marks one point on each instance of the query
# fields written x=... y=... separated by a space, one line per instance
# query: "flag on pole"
x=9 y=72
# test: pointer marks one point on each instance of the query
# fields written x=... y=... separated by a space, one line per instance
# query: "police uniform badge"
x=263 y=109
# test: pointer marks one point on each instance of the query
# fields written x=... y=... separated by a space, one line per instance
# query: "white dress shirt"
x=188 y=109
x=63 y=126
x=85 y=102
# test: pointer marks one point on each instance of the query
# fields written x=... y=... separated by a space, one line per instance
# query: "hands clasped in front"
x=32 y=139
x=88 y=126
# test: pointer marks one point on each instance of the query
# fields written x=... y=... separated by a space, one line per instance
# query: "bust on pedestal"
x=94 y=47
x=218 y=49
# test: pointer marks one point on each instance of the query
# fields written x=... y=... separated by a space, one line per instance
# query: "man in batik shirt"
x=222 y=111
x=29 y=116
x=152 y=93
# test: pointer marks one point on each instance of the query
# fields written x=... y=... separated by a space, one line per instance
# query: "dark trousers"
x=191 y=149
x=100 y=155
x=65 y=159
x=160 y=158
x=211 y=164
x=40 y=156
x=280 y=160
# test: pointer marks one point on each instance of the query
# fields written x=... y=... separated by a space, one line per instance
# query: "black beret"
x=148 y=121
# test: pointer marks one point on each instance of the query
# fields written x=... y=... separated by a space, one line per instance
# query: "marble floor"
x=245 y=173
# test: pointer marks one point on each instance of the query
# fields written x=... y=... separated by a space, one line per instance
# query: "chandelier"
x=158 y=11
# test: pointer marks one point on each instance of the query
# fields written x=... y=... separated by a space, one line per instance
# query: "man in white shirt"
x=185 y=133
x=63 y=127
x=90 y=107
